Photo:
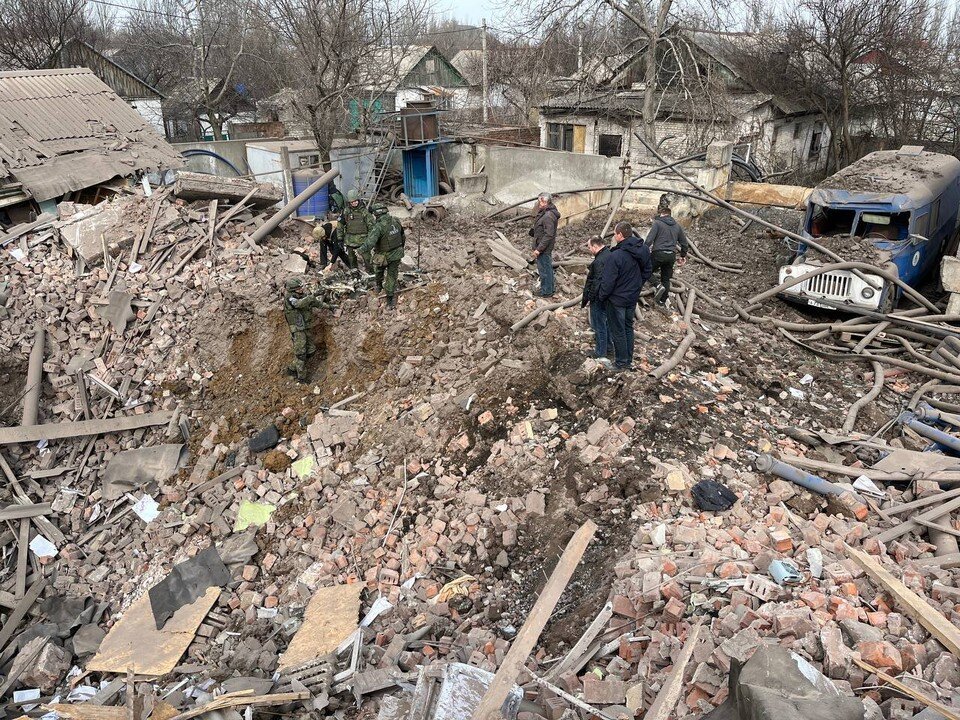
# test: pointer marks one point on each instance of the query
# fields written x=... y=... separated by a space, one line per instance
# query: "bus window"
x=934 y=217
x=921 y=225
x=830 y=221
x=884 y=225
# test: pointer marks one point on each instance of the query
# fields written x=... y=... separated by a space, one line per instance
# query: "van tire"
x=888 y=299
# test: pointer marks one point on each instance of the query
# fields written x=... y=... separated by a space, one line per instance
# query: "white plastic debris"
x=815 y=561
x=868 y=487
x=43 y=548
x=146 y=509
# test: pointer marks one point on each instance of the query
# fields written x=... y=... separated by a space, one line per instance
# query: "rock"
x=266 y=439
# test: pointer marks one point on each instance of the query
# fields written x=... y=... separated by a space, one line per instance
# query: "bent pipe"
x=946 y=377
x=846 y=265
x=855 y=409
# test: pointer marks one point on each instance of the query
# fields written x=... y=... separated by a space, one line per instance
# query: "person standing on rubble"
x=591 y=288
x=331 y=249
x=664 y=238
x=337 y=203
x=298 y=312
x=385 y=241
x=355 y=223
x=544 y=234
x=624 y=273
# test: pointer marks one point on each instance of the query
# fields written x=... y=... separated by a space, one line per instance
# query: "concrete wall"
x=233 y=150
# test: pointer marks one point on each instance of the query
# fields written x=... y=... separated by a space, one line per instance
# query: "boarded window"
x=611 y=145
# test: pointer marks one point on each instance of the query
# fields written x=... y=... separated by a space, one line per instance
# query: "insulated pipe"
x=291 y=207
x=31 y=400
x=930 y=433
x=854 y=410
x=926 y=412
x=768 y=464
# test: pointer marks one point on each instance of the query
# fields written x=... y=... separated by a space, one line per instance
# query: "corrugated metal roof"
x=72 y=131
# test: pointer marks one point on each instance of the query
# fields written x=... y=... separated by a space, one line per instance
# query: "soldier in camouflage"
x=355 y=223
x=385 y=241
x=298 y=311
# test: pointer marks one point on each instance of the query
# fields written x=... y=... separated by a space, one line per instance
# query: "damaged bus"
x=896 y=209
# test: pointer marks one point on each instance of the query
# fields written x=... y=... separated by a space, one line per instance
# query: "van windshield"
x=827 y=221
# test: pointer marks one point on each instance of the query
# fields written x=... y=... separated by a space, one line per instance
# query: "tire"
x=888 y=299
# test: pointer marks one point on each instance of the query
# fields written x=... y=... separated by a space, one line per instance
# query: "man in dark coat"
x=544 y=234
x=591 y=288
x=664 y=238
x=624 y=274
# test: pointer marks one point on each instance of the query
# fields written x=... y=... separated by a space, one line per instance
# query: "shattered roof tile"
x=64 y=130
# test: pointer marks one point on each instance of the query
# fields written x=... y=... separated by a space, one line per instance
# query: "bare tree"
x=33 y=31
x=347 y=51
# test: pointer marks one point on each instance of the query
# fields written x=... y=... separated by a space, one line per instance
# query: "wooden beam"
x=81 y=428
x=914 y=605
x=948 y=712
x=51 y=531
x=18 y=613
x=947 y=562
x=913 y=524
x=526 y=639
x=23 y=555
x=583 y=644
x=666 y=700
x=923 y=502
x=243 y=697
x=17 y=512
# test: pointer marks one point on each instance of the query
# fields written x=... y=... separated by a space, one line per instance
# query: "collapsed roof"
x=65 y=130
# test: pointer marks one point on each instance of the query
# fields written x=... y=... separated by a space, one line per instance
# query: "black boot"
x=391 y=302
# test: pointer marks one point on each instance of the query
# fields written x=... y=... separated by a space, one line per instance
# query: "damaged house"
x=702 y=96
x=65 y=131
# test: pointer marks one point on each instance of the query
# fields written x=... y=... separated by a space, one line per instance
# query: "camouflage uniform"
x=298 y=311
x=385 y=241
x=352 y=230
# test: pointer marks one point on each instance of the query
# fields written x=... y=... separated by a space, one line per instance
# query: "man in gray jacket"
x=664 y=238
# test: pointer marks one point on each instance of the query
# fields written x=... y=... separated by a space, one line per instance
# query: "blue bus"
x=896 y=209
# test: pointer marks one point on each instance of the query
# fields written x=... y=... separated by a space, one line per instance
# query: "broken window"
x=560 y=136
x=816 y=141
x=831 y=221
x=611 y=145
x=883 y=226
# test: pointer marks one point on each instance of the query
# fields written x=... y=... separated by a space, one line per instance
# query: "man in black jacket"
x=544 y=234
x=664 y=238
x=624 y=274
x=598 y=313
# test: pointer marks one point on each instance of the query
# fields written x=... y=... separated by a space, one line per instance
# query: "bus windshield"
x=829 y=221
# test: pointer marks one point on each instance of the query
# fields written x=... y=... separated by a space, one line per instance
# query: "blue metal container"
x=319 y=203
x=421 y=172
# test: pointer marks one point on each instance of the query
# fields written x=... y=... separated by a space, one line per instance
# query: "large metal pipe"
x=31 y=400
x=930 y=433
x=291 y=207
x=925 y=412
x=847 y=501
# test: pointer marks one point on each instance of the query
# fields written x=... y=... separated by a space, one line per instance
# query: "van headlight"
x=868 y=292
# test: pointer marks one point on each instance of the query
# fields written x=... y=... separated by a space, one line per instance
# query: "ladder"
x=374 y=178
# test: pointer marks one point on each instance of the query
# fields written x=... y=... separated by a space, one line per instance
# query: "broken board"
x=134 y=643
x=910 y=462
x=331 y=617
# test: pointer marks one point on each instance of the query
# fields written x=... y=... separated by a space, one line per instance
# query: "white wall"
x=151 y=110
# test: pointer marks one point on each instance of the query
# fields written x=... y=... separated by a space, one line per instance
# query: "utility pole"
x=485 y=88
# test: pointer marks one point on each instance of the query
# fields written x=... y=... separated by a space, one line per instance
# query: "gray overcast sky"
x=471 y=10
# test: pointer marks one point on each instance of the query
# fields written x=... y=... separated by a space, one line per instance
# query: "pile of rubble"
x=191 y=530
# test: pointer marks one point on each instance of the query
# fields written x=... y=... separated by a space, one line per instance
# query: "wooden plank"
x=331 y=617
x=18 y=512
x=23 y=555
x=243 y=697
x=526 y=639
x=81 y=428
x=914 y=605
x=947 y=562
x=87 y=711
x=18 y=613
x=234 y=210
x=51 y=531
x=939 y=528
x=666 y=700
x=948 y=712
x=923 y=502
x=913 y=524
x=125 y=646
x=583 y=644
